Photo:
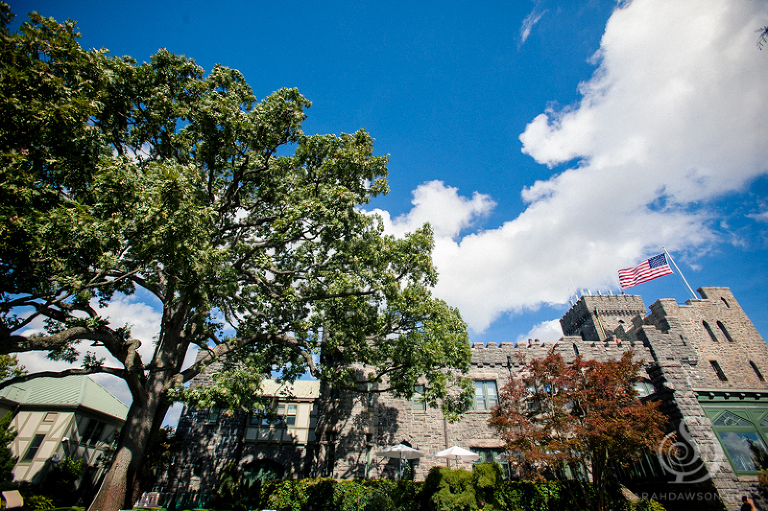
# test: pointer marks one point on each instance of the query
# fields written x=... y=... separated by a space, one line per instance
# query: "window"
x=368 y=459
x=93 y=432
x=494 y=456
x=34 y=445
x=50 y=417
x=709 y=331
x=290 y=415
x=487 y=455
x=741 y=440
x=417 y=401
x=89 y=428
x=485 y=395
x=725 y=302
x=719 y=372
x=97 y=432
x=269 y=424
x=213 y=414
x=721 y=326
x=644 y=388
x=256 y=417
x=368 y=398
x=330 y=454
x=757 y=371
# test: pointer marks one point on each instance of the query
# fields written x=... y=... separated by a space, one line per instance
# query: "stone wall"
x=361 y=430
x=683 y=351
x=598 y=317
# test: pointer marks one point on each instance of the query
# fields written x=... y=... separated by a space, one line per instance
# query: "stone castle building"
x=704 y=359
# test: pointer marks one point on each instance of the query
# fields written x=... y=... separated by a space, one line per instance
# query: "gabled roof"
x=70 y=391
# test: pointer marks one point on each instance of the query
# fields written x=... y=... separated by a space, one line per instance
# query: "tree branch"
x=19 y=343
x=120 y=373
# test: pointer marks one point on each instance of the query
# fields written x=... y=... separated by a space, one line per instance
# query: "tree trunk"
x=122 y=483
x=599 y=478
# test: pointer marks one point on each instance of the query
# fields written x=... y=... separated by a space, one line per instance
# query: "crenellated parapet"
x=507 y=358
x=598 y=317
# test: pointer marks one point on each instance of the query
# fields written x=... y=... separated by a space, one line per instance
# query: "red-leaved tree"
x=584 y=416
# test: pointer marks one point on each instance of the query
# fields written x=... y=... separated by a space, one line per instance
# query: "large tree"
x=119 y=177
x=582 y=416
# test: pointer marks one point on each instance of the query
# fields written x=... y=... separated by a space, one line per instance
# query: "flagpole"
x=681 y=274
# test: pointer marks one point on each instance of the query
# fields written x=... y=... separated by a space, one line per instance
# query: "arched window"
x=709 y=331
x=725 y=302
x=725 y=332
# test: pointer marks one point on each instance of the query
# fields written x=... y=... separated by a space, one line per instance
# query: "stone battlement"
x=508 y=354
x=598 y=317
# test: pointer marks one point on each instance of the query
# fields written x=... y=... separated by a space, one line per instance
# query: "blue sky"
x=549 y=143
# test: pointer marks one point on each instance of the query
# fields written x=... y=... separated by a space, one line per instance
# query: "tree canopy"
x=118 y=177
x=581 y=416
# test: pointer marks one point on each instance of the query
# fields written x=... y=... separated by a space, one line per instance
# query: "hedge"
x=444 y=490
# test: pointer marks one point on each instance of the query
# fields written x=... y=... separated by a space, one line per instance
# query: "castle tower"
x=597 y=317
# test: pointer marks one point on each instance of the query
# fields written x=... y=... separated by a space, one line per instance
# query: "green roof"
x=70 y=391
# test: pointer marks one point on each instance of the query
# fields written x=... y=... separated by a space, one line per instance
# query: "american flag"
x=651 y=268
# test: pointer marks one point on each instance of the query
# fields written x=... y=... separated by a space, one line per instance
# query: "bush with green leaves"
x=331 y=495
x=38 y=503
x=444 y=490
x=646 y=505
x=449 y=490
x=487 y=477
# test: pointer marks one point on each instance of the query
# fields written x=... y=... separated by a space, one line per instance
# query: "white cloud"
x=528 y=23
x=674 y=116
x=144 y=322
x=442 y=207
x=760 y=217
x=546 y=331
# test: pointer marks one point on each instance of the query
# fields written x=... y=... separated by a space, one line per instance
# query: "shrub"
x=39 y=503
x=331 y=495
x=449 y=490
x=486 y=478
x=646 y=505
x=444 y=490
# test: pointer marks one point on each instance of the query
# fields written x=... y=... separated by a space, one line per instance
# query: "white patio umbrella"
x=457 y=453
x=401 y=452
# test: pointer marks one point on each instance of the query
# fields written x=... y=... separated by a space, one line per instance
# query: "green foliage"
x=10 y=368
x=7 y=459
x=531 y=496
x=60 y=481
x=444 y=489
x=487 y=477
x=450 y=490
x=117 y=176
x=647 y=505
x=39 y=503
x=331 y=495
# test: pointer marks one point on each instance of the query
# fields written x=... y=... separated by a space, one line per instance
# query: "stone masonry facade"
x=704 y=360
